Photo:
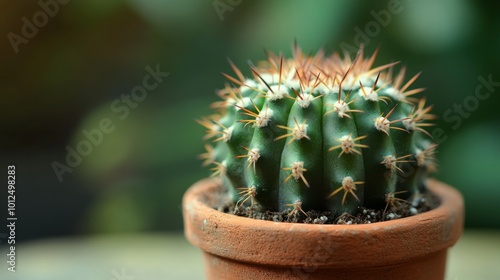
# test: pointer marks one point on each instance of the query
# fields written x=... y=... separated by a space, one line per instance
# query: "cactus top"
x=317 y=132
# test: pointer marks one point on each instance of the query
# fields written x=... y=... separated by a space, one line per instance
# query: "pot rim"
x=360 y=245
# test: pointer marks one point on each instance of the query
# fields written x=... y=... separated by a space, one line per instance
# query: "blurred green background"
x=87 y=54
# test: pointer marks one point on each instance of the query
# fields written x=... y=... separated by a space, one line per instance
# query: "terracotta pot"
x=243 y=248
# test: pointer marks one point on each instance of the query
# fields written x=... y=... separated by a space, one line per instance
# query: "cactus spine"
x=317 y=132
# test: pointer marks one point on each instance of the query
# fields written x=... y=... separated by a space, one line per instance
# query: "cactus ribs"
x=315 y=134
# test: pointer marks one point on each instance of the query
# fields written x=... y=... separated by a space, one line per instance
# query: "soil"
x=398 y=209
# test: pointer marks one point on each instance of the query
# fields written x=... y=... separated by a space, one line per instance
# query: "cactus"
x=317 y=132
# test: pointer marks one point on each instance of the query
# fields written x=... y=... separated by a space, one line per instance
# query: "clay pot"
x=243 y=248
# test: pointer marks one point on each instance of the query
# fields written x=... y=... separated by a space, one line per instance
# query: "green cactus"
x=322 y=133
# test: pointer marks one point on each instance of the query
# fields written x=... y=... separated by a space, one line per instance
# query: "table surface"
x=476 y=256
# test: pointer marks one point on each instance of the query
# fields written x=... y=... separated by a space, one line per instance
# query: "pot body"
x=243 y=248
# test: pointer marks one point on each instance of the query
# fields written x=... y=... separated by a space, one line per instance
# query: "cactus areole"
x=318 y=132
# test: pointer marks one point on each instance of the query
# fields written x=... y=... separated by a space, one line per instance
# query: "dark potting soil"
x=397 y=209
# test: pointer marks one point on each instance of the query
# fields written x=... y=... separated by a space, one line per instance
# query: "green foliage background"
x=65 y=79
